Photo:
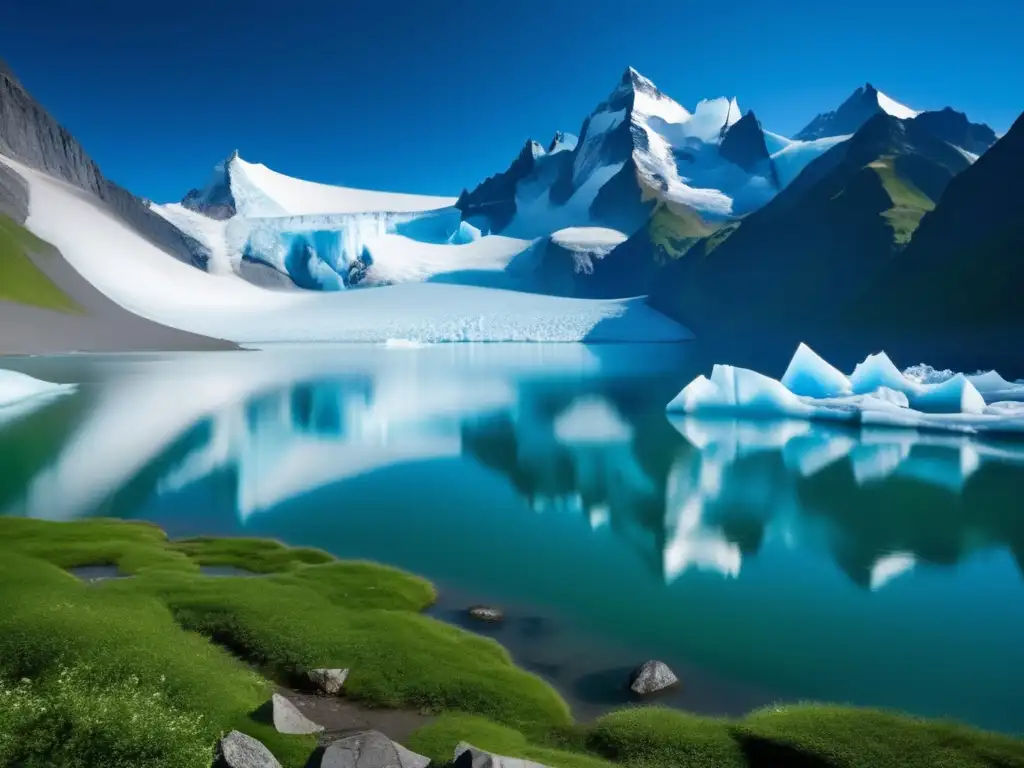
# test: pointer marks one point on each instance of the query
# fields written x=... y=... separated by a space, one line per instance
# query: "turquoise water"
x=767 y=561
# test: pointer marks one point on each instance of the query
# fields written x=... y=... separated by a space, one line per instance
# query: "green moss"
x=298 y=616
x=909 y=204
x=864 y=738
x=439 y=739
x=175 y=647
x=663 y=737
x=22 y=281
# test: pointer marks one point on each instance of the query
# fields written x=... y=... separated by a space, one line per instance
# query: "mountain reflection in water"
x=875 y=567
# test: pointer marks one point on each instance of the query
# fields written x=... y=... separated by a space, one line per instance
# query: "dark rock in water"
x=329 y=681
x=468 y=756
x=30 y=135
x=288 y=719
x=652 y=676
x=486 y=613
x=236 y=750
x=370 y=750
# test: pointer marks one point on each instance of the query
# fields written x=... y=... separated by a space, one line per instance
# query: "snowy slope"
x=894 y=108
x=148 y=282
x=399 y=259
x=260 y=191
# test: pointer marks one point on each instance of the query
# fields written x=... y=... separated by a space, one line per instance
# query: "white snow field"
x=894 y=108
x=876 y=394
x=147 y=281
x=259 y=192
x=792 y=155
x=21 y=394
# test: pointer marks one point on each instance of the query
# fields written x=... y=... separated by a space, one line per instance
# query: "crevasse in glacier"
x=328 y=251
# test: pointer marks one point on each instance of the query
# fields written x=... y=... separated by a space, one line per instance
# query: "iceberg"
x=880 y=395
x=810 y=376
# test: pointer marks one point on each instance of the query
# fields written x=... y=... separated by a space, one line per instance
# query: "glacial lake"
x=764 y=561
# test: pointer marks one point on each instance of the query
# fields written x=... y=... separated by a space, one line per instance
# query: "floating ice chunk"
x=891 y=396
x=955 y=395
x=17 y=388
x=810 y=376
x=925 y=374
x=731 y=389
x=878 y=371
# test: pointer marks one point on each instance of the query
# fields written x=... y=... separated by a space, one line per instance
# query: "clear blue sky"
x=429 y=97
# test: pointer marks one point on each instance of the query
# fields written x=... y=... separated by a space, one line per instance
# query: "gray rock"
x=370 y=750
x=236 y=750
x=328 y=681
x=486 y=613
x=468 y=756
x=29 y=134
x=288 y=718
x=652 y=676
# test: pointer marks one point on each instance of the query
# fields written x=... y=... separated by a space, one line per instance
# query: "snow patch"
x=894 y=108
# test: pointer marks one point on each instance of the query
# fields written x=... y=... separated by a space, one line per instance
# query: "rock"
x=370 y=749
x=468 y=756
x=236 y=750
x=486 y=613
x=652 y=676
x=328 y=681
x=288 y=718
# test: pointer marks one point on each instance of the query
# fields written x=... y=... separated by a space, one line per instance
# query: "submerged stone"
x=486 y=613
x=329 y=681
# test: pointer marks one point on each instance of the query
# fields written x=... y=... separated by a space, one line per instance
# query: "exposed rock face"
x=29 y=134
x=495 y=198
x=236 y=750
x=468 y=756
x=371 y=750
x=486 y=613
x=288 y=719
x=851 y=115
x=329 y=681
x=652 y=676
x=13 y=195
x=744 y=146
x=216 y=199
x=954 y=127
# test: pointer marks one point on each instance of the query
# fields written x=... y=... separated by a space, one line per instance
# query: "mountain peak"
x=562 y=140
x=863 y=104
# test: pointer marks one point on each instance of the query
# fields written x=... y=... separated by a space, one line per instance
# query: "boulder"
x=288 y=719
x=328 y=681
x=370 y=750
x=236 y=750
x=652 y=676
x=468 y=756
x=486 y=613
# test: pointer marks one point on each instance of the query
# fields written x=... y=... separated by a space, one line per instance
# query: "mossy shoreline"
x=152 y=670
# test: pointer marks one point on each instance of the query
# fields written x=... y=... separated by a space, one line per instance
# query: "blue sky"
x=430 y=97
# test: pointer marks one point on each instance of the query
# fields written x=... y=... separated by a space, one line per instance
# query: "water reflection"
x=872 y=566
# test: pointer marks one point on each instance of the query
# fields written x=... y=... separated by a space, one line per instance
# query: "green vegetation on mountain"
x=22 y=281
x=673 y=229
x=965 y=264
x=822 y=242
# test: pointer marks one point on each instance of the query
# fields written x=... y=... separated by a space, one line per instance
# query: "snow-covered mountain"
x=866 y=102
x=637 y=149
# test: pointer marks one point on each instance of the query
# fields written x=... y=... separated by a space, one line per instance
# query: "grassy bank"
x=22 y=281
x=150 y=670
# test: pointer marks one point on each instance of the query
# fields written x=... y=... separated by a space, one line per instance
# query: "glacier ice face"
x=810 y=376
x=881 y=396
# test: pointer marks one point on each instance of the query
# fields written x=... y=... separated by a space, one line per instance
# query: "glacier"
x=141 y=278
x=875 y=394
